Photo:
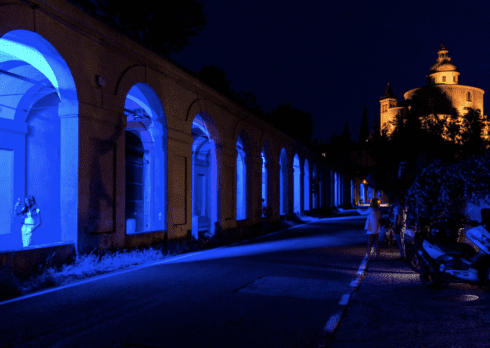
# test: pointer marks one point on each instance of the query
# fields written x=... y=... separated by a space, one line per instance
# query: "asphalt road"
x=273 y=291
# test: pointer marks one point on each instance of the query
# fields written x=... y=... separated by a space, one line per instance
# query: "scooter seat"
x=461 y=249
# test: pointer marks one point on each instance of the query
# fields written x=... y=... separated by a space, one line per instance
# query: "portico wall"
x=105 y=66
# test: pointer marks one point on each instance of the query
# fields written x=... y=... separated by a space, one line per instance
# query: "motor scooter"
x=444 y=260
x=446 y=229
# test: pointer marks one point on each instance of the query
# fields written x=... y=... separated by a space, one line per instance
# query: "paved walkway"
x=391 y=308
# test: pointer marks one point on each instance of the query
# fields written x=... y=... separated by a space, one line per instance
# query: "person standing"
x=399 y=222
x=373 y=227
x=31 y=216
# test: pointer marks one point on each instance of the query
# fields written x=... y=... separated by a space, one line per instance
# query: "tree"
x=472 y=134
x=446 y=189
x=294 y=122
x=162 y=27
x=216 y=78
x=445 y=158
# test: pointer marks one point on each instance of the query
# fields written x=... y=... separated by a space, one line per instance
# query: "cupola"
x=443 y=71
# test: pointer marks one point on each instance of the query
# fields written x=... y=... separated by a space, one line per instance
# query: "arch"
x=244 y=162
x=206 y=205
x=241 y=181
x=352 y=192
x=297 y=184
x=268 y=143
x=283 y=182
x=146 y=167
x=129 y=77
x=266 y=187
x=306 y=185
x=316 y=187
x=264 y=181
x=39 y=123
x=362 y=193
x=199 y=107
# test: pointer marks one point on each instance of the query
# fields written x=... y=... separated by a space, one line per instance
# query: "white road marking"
x=332 y=323
x=334 y=320
x=354 y=283
x=345 y=299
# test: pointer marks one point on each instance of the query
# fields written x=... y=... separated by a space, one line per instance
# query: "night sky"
x=332 y=58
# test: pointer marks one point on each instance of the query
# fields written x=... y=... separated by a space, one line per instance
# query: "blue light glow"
x=283 y=182
x=264 y=181
x=297 y=184
x=204 y=177
x=39 y=129
x=315 y=195
x=307 y=185
x=370 y=192
x=362 y=193
x=146 y=161
x=241 y=181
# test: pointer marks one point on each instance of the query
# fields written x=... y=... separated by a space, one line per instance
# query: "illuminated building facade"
x=121 y=148
x=443 y=95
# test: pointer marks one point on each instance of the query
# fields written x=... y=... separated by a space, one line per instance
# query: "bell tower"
x=387 y=102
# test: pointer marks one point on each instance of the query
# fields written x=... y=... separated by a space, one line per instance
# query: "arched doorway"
x=146 y=161
x=336 y=189
x=39 y=124
x=316 y=188
x=307 y=185
x=204 y=177
x=264 y=182
x=241 y=181
x=297 y=184
x=283 y=182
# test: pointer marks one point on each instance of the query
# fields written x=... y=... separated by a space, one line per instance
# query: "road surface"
x=277 y=290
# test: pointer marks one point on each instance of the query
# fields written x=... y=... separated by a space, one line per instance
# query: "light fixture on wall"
x=137 y=118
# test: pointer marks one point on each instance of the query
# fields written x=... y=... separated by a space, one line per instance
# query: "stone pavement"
x=391 y=308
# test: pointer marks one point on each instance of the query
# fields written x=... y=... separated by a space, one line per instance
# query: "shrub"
x=9 y=285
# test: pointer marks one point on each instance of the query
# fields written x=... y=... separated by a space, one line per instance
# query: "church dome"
x=443 y=62
x=445 y=65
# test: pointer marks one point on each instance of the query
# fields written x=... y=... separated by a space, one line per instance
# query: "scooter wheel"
x=486 y=285
x=413 y=260
x=428 y=277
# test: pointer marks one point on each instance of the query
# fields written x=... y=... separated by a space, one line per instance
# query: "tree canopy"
x=438 y=160
x=163 y=27
x=292 y=121
x=296 y=123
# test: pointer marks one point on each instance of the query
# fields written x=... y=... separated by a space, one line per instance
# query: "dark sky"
x=330 y=58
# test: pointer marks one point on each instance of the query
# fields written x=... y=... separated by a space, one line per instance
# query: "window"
x=444 y=79
x=454 y=78
x=468 y=96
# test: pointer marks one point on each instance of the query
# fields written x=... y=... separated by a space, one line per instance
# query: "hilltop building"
x=443 y=95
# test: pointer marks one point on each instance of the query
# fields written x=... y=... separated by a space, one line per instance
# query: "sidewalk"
x=391 y=308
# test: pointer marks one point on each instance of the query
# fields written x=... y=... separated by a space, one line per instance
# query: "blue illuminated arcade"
x=38 y=139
